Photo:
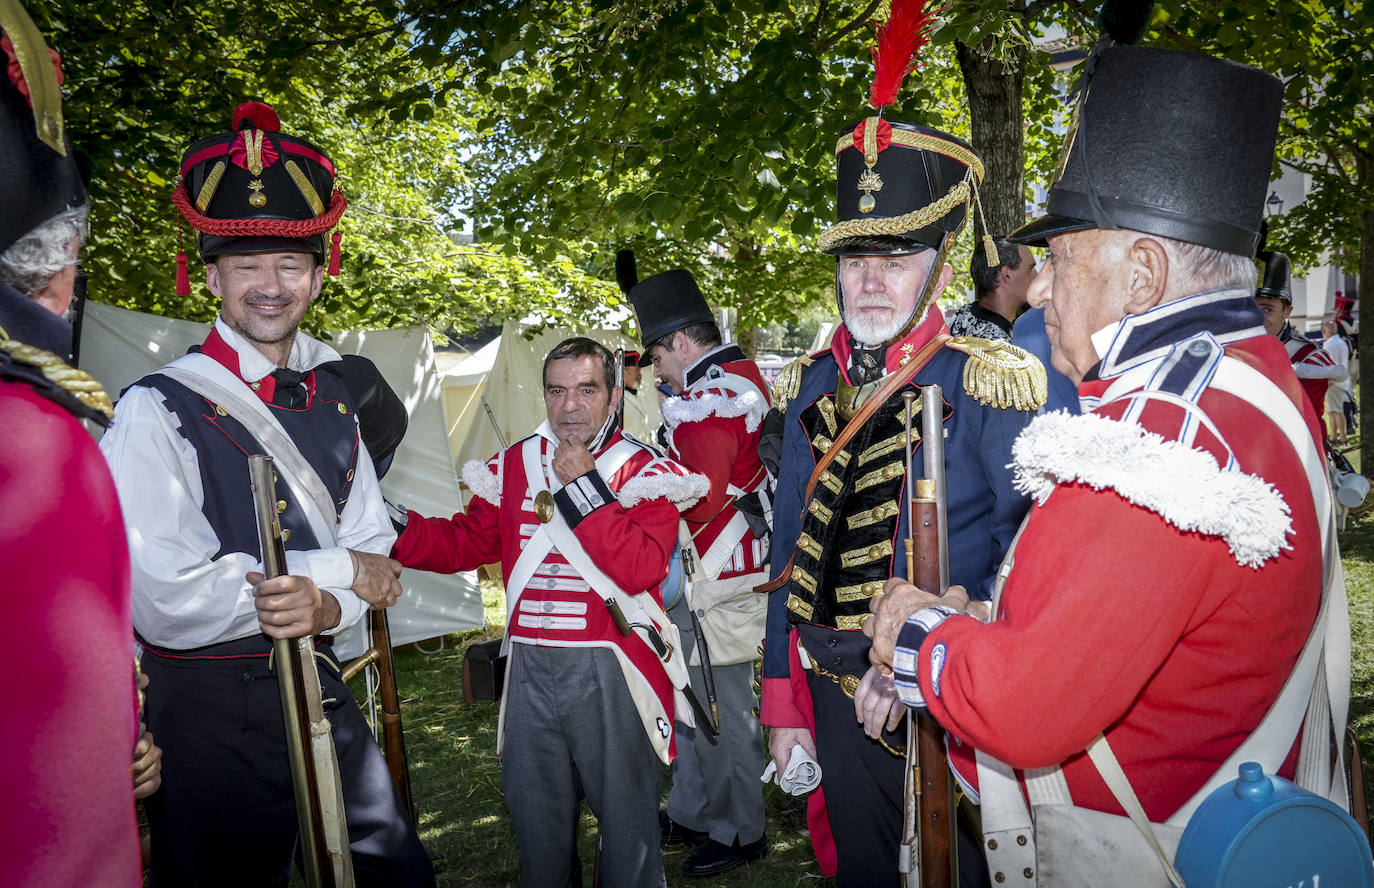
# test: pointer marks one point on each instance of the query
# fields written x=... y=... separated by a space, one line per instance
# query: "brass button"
x=285 y=534
x=343 y=409
x=221 y=411
x=255 y=385
x=281 y=506
x=876 y=551
x=349 y=476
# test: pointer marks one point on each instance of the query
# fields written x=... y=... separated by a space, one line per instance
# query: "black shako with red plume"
x=255 y=189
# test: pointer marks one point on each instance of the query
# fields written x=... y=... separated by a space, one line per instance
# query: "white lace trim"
x=683 y=491
x=697 y=407
x=1183 y=486
x=482 y=481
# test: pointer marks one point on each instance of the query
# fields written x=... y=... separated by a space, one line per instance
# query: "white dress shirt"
x=184 y=597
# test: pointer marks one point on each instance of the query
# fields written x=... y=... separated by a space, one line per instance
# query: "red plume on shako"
x=256 y=189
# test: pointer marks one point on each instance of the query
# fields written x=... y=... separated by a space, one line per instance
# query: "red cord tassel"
x=183 y=277
x=335 y=258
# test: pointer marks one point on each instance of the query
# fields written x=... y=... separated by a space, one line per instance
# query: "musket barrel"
x=285 y=653
x=933 y=448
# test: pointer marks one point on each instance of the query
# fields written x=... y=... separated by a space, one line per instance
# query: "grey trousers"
x=716 y=786
x=572 y=732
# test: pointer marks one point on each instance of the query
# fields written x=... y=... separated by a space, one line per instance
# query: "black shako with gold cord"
x=256 y=189
x=902 y=189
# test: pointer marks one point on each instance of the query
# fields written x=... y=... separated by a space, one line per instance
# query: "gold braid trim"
x=78 y=383
x=908 y=139
x=916 y=219
x=788 y=383
x=1001 y=374
x=207 y=190
x=308 y=191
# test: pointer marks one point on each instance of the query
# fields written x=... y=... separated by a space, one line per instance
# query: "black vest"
x=325 y=432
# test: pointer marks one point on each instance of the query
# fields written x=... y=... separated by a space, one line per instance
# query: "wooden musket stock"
x=928 y=820
x=393 y=737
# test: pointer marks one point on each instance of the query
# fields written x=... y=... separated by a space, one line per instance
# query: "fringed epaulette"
x=53 y=378
x=788 y=383
x=1001 y=374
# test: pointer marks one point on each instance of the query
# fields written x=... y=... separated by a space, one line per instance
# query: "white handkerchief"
x=803 y=774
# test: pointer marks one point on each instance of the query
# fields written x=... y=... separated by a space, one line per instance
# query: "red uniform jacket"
x=629 y=539
x=1161 y=601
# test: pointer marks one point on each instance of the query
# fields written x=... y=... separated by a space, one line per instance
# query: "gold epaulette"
x=78 y=383
x=1001 y=374
x=788 y=382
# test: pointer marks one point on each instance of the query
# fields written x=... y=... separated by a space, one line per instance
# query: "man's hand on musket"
x=899 y=601
x=572 y=459
x=376 y=578
x=291 y=607
x=781 y=741
x=876 y=704
x=147 y=766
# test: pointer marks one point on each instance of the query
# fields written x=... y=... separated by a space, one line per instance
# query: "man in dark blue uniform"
x=262 y=203
x=902 y=196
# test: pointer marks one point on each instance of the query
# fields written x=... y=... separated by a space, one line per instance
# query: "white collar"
x=307 y=353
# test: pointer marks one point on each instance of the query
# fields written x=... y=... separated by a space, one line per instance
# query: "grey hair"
x=1204 y=269
x=32 y=261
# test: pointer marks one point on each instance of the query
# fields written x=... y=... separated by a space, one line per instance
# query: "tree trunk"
x=994 y=101
x=746 y=252
x=1364 y=183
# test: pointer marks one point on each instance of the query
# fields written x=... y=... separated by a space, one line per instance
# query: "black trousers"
x=225 y=815
x=863 y=784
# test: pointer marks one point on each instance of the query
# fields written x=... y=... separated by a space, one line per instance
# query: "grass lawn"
x=456 y=776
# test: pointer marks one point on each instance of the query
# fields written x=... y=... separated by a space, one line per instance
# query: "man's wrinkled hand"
x=376 y=579
x=899 y=601
x=781 y=741
x=876 y=704
x=147 y=766
x=572 y=459
x=292 y=607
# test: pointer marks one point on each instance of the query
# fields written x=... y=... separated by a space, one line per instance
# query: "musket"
x=927 y=827
x=310 y=753
x=708 y=678
x=663 y=650
x=393 y=737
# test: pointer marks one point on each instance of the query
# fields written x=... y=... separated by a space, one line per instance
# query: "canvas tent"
x=119 y=346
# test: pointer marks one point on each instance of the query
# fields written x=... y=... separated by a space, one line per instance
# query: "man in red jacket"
x=712 y=424
x=1172 y=568
x=583 y=521
x=71 y=723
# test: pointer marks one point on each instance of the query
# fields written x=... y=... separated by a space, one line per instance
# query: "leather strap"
x=901 y=377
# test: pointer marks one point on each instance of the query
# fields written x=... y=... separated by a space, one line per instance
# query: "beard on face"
x=874 y=331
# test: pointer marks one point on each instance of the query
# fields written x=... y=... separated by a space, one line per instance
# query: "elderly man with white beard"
x=840 y=512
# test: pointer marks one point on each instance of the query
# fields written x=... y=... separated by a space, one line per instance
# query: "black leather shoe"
x=713 y=857
x=674 y=833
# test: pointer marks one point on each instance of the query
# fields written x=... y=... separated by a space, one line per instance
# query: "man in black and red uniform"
x=712 y=425
x=70 y=724
x=262 y=202
x=1312 y=365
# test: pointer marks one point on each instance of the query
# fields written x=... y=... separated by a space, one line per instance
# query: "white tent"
x=495 y=397
x=119 y=346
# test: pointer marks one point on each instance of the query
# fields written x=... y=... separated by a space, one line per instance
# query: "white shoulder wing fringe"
x=682 y=490
x=482 y=481
x=1183 y=486
x=751 y=405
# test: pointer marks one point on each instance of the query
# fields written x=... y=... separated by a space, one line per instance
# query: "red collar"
x=215 y=347
x=841 y=344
